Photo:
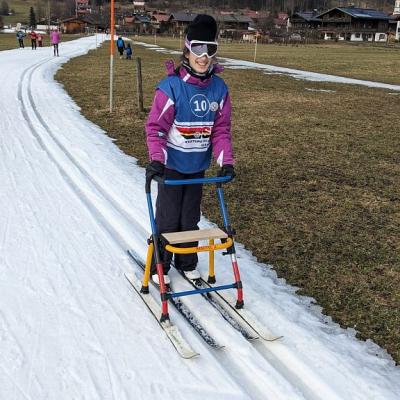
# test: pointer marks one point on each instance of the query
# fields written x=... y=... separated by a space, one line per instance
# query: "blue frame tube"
x=151 y=214
x=224 y=211
x=205 y=290
x=215 y=179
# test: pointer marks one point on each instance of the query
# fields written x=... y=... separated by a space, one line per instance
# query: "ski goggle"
x=200 y=48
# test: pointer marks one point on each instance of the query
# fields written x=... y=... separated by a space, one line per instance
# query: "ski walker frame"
x=225 y=236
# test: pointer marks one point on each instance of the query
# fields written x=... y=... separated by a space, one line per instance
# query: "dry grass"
x=364 y=61
x=317 y=192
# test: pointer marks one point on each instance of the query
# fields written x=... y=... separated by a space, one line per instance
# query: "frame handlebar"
x=194 y=181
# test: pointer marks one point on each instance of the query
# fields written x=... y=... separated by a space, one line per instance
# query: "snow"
x=71 y=327
x=294 y=73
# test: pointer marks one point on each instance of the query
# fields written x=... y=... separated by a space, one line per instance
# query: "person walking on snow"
x=20 y=37
x=33 y=36
x=120 y=46
x=190 y=119
x=55 y=39
x=40 y=39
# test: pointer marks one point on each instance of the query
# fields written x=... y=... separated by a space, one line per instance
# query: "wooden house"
x=354 y=24
x=305 y=21
x=137 y=24
x=232 y=21
x=82 y=7
x=281 y=21
x=80 y=25
x=160 y=22
x=395 y=20
x=179 y=22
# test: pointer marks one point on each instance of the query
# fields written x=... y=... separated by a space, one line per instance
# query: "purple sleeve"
x=158 y=123
x=221 y=135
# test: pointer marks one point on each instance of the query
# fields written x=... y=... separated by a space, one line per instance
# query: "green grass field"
x=318 y=176
x=377 y=63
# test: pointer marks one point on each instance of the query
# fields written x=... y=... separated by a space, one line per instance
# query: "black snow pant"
x=121 y=51
x=177 y=210
x=21 y=43
x=33 y=42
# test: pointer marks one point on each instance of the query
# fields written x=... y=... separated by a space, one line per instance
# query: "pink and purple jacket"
x=190 y=120
x=55 y=37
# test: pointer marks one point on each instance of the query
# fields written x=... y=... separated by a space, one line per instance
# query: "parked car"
x=295 y=37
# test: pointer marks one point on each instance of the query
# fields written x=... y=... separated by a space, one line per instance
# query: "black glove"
x=154 y=168
x=227 y=170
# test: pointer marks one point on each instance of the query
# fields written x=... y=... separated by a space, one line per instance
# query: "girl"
x=55 y=41
x=190 y=120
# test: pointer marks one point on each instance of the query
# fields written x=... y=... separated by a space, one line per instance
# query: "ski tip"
x=189 y=356
x=271 y=338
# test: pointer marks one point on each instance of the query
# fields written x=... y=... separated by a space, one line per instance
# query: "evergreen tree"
x=32 y=18
x=4 y=10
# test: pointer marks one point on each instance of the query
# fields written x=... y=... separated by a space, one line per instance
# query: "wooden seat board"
x=194 y=236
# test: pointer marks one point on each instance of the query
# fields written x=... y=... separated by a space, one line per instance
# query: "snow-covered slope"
x=71 y=327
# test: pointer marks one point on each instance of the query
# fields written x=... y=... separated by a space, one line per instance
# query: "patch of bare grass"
x=318 y=176
x=362 y=62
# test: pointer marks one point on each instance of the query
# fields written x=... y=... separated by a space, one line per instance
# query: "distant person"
x=128 y=51
x=33 y=35
x=120 y=46
x=40 y=39
x=20 y=37
x=55 y=39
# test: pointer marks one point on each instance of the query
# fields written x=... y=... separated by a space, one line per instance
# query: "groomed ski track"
x=71 y=327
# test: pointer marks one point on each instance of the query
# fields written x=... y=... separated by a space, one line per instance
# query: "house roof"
x=161 y=17
x=243 y=18
x=144 y=19
x=361 y=13
x=226 y=18
x=73 y=19
x=234 y=18
x=183 y=17
x=308 y=16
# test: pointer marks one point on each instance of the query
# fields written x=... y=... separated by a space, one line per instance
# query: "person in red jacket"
x=33 y=35
x=40 y=39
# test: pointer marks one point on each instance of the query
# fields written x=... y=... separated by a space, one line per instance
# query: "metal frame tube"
x=198 y=249
x=205 y=290
x=211 y=266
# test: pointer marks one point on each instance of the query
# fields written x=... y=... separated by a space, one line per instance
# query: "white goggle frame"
x=188 y=45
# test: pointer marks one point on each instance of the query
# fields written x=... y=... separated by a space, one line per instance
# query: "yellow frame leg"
x=147 y=269
x=211 y=271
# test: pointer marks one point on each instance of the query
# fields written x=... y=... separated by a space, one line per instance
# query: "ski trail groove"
x=73 y=186
x=108 y=199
